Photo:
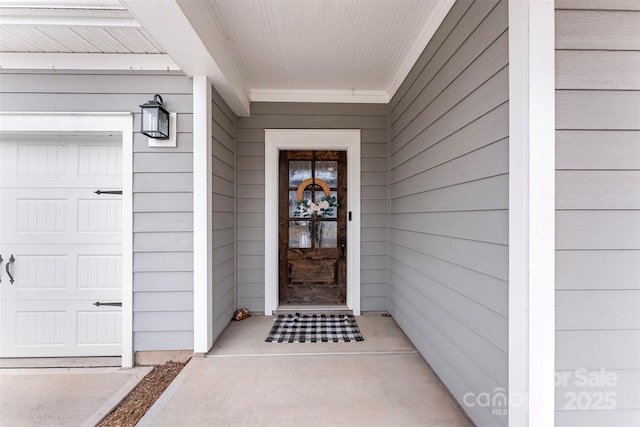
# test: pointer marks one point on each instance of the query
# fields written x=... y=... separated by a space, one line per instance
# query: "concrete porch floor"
x=243 y=380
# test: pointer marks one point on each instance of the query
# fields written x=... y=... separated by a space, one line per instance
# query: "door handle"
x=343 y=242
x=11 y=261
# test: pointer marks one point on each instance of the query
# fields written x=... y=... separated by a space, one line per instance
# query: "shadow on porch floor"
x=243 y=380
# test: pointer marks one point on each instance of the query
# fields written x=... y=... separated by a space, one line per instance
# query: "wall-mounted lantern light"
x=155 y=119
x=158 y=124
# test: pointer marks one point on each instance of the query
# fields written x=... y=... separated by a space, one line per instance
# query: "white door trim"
x=531 y=212
x=311 y=139
x=97 y=122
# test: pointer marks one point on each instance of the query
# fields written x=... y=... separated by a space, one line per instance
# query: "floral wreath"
x=320 y=209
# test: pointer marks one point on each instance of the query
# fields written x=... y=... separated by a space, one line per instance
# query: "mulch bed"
x=141 y=398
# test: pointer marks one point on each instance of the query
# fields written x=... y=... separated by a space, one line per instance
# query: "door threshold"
x=315 y=309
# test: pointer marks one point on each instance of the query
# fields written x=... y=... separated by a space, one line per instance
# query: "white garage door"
x=65 y=243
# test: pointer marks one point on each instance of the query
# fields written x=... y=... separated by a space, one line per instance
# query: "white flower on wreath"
x=323 y=208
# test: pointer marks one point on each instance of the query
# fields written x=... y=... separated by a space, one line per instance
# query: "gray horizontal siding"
x=597 y=4
x=162 y=181
x=180 y=103
x=372 y=119
x=224 y=209
x=579 y=69
x=592 y=29
x=448 y=137
x=598 y=204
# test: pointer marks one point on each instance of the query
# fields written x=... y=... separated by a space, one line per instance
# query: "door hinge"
x=112 y=304
x=99 y=192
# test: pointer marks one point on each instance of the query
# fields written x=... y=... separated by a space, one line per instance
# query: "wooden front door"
x=312 y=231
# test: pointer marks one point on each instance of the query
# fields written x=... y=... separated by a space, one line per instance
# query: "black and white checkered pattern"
x=315 y=328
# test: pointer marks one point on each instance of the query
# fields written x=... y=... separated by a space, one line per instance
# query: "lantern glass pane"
x=163 y=123
x=149 y=120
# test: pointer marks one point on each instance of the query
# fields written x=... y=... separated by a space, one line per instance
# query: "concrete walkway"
x=62 y=396
x=244 y=381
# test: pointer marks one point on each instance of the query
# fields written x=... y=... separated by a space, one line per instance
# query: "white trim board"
x=338 y=96
x=202 y=216
x=97 y=122
x=277 y=140
x=531 y=213
x=87 y=61
x=67 y=21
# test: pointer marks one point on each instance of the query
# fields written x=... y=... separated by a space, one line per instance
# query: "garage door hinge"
x=99 y=192
x=113 y=304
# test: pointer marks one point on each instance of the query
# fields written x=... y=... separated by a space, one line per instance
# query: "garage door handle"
x=11 y=261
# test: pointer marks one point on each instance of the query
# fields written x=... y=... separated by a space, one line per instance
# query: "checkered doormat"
x=315 y=328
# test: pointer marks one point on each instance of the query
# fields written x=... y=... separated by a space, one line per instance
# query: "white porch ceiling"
x=319 y=45
x=252 y=50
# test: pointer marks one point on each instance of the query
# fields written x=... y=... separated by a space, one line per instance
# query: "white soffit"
x=76 y=35
x=48 y=26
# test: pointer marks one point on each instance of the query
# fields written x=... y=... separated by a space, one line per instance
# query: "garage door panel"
x=63 y=268
x=99 y=160
x=67 y=243
x=45 y=215
x=39 y=272
x=43 y=327
x=57 y=164
x=99 y=216
x=99 y=327
x=40 y=159
x=63 y=216
x=60 y=328
x=99 y=272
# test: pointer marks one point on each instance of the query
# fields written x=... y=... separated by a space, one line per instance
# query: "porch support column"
x=202 y=216
x=531 y=212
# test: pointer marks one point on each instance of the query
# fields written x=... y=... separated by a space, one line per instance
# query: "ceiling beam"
x=182 y=30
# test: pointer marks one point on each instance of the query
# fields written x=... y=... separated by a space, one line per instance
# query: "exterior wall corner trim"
x=531 y=212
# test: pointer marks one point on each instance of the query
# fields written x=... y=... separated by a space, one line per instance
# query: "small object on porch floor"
x=294 y=328
x=241 y=314
x=386 y=315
